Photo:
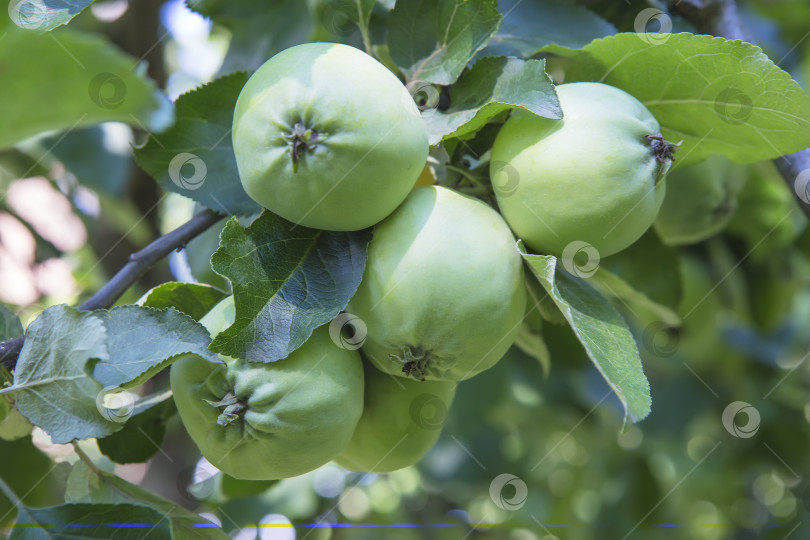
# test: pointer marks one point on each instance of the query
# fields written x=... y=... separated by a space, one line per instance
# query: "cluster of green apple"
x=327 y=137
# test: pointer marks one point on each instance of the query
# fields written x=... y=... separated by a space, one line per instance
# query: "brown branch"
x=139 y=263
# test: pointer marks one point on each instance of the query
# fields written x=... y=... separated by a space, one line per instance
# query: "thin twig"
x=138 y=264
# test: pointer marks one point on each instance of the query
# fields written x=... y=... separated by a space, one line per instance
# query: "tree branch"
x=139 y=263
x=722 y=18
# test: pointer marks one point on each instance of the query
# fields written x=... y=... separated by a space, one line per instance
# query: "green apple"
x=596 y=176
x=701 y=200
x=442 y=294
x=327 y=137
x=257 y=421
x=402 y=419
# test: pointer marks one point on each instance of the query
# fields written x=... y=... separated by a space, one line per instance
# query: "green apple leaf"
x=258 y=29
x=717 y=96
x=86 y=485
x=602 y=332
x=44 y=14
x=638 y=304
x=106 y=169
x=96 y=83
x=493 y=85
x=120 y=521
x=52 y=387
x=141 y=341
x=433 y=40
x=530 y=25
x=650 y=267
x=359 y=11
x=193 y=299
x=287 y=280
x=195 y=157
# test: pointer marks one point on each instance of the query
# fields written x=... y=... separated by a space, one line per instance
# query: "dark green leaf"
x=86 y=485
x=99 y=156
x=119 y=521
x=258 y=29
x=433 y=40
x=287 y=281
x=718 y=96
x=493 y=85
x=143 y=431
x=650 y=267
x=193 y=299
x=529 y=25
x=358 y=11
x=601 y=330
x=195 y=157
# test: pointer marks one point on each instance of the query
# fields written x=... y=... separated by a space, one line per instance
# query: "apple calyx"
x=302 y=139
x=414 y=361
x=232 y=409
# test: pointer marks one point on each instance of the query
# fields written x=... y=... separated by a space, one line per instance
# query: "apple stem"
x=662 y=148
